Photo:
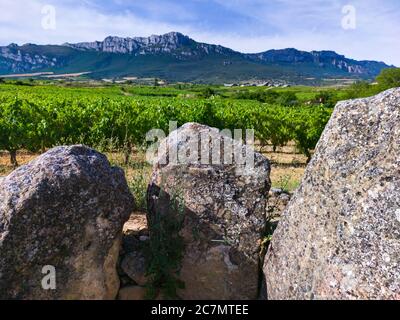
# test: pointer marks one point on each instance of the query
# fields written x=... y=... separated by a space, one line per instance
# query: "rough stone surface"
x=224 y=215
x=134 y=266
x=64 y=209
x=339 y=237
x=278 y=199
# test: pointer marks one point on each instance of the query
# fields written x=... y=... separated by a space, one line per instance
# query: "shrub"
x=389 y=78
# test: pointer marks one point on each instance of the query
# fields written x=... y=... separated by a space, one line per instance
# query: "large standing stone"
x=339 y=237
x=224 y=212
x=65 y=209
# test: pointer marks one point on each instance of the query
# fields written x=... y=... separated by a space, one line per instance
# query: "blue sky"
x=244 y=25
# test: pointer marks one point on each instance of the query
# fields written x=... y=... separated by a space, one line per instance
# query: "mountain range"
x=177 y=57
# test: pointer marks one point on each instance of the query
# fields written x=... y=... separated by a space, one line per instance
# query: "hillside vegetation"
x=39 y=115
x=176 y=57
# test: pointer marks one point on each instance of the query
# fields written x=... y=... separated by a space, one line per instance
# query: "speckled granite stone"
x=225 y=208
x=66 y=209
x=339 y=237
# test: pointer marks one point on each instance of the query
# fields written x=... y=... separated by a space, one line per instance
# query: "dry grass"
x=23 y=157
x=287 y=167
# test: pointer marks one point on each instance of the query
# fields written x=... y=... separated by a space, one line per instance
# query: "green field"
x=38 y=115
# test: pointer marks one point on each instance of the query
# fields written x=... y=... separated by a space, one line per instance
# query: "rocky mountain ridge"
x=177 y=57
x=171 y=43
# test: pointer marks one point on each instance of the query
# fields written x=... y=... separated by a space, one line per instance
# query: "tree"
x=327 y=98
x=287 y=99
x=360 y=89
x=207 y=92
x=270 y=96
x=389 y=78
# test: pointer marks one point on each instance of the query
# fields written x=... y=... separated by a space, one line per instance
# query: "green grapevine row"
x=36 y=121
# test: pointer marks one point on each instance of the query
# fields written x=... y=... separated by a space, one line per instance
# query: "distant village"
x=159 y=82
x=259 y=83
x=82 y=77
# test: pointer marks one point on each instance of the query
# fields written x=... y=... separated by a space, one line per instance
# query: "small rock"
x=277 y=202
x=276 y=191
x=137 y=224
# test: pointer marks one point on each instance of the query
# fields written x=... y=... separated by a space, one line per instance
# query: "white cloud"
x=315 y=25
x=20 y=22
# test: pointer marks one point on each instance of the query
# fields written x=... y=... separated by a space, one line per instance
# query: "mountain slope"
x=177 y=57
x=173 y=43
x=321 y=59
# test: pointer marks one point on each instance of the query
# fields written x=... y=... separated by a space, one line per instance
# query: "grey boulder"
x=224 y=207
x=61 y=219
x=339 y=237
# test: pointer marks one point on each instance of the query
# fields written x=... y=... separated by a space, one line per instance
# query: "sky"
x=359 y=29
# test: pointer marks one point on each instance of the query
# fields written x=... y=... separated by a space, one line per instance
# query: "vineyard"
x=37 y=118
x=37 y=115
